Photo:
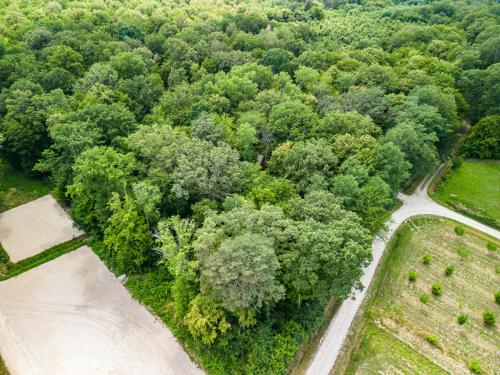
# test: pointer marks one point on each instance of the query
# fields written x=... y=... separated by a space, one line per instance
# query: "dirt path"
x=419 y=203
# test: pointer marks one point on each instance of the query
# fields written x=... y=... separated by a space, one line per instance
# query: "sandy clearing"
x=29 y=229
x=72 y=316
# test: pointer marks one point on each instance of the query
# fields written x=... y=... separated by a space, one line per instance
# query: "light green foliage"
x=126 y=236
x=419 y=147
x=489 y=318
x=337 y=122
x=98 y=172
x=204 y=127
x=175 y=236
x=474 y=366
x=206 y=320
x=432 y=339
x=245 y=140
x=412 y=276
x=128 y=65
x=147 y=197
x=472 y=188
x=291 y=120
x=391 y=165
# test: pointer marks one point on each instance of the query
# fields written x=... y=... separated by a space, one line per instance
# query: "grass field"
x=474 y=190
x=17 y=189
x=396 y=326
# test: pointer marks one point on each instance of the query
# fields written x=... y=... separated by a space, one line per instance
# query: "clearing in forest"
x=72 y=316
x=474 y=190
x=35 y=226
x=406 y=331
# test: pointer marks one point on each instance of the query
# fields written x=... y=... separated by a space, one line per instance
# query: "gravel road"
x=416 y=204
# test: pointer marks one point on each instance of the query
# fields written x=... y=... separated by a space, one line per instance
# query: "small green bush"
x=459 y=230
x=491 y=246
x=449 y=270
x=463 y=251
x=426 y=259
x=497 y=297
x=474 y=366
x=462 y=319
x=424 y=298
x=437 y=289
x=489 y=318
x=412 y=276
x=432 y=339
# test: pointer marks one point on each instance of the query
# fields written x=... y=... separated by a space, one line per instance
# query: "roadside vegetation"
x=453 y=328
x=473 y=188
x=235 y=159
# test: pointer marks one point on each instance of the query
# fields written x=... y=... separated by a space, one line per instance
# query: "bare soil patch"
x=72 y=316
x=35 y=226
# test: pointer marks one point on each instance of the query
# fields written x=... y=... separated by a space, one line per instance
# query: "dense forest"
x=235 y=158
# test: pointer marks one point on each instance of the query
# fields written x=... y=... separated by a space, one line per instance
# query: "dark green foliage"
x=459 y=230
x=449 y=270
x=437 y=289
x=497 y=296
x=483 y=141
x=489 y=318
x=462 y=319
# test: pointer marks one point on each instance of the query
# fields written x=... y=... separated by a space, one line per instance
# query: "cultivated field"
x=398 y=326
x=474 y=190
x=72 y=316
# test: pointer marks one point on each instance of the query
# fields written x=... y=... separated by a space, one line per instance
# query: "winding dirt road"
x=419 y=203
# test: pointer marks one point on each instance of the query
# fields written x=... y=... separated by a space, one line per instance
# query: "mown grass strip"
x=14 y=269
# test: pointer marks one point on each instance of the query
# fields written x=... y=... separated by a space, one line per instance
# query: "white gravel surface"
x=71 y=316
x=29 y=229
x=416 y=204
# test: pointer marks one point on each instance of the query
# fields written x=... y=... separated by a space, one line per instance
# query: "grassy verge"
x=473 y=189
x=9 y=269
x=392 y=331
x=17 y=189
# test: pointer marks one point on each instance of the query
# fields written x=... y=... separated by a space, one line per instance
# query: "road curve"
x=419 y=203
